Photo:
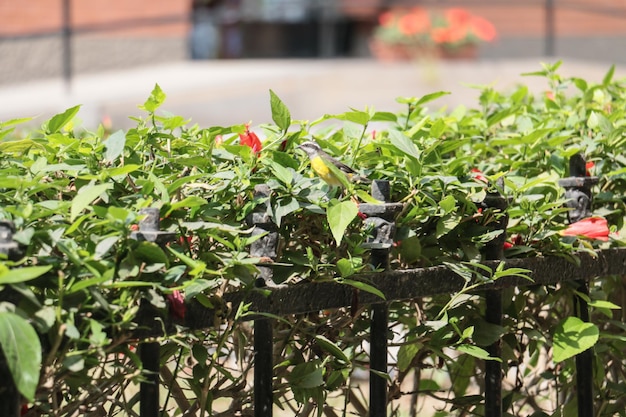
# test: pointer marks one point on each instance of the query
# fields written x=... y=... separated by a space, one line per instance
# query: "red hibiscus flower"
x=591 y=228
x=251 y=140
x=177 y=304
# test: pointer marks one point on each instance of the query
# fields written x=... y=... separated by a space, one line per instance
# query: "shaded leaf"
x=22 y=350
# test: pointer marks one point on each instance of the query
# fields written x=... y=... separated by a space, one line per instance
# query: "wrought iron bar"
x=380 y=221
x=398 y=285
x=579 y=198
x=264 y=248
x=149 y=353
x=494 y=250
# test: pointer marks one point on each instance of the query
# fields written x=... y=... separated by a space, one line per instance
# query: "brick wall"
x=25 y=16
x=526 y=18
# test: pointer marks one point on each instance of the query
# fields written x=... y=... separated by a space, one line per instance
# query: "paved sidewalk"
x=232 y=92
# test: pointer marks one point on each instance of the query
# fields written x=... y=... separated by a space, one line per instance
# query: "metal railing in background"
x=323 y=13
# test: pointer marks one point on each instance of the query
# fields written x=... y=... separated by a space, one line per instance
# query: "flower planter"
x=398 y=52
x=465 y=52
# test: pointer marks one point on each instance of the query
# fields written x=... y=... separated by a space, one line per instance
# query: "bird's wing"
x=343 y=167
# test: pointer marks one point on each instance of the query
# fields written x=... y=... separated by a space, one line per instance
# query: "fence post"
x=149 y=353
x=579 y=198
x=550 y=27
x=264 y=248
x=66 y=13
x=9 y=395
x=380 y=218
x=494 y=250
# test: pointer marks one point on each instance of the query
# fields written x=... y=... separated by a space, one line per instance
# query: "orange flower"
x=458 y=16
x=415 y=22
x=591 y=228
x=386 y=19
x=452 y=34
x=483 y=29
x=251 y=140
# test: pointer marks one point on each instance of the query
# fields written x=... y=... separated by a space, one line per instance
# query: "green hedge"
x=75 y=196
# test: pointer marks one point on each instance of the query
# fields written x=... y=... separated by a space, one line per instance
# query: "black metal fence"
x=396 y=285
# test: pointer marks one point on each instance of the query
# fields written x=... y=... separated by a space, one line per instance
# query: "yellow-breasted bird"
x=320 y=161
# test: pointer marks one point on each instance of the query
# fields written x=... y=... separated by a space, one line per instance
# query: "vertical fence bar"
x=550 y=28
x=380 y=220
x=263 y=248
x=493 y=369
x=150 y=353
x=494 y=250
x=263 y=368
x=9 y=395
x=584 y=361
x=67 y=43
x=378 y=360
x=578 y=199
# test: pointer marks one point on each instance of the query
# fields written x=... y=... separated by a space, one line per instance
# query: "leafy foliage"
x=75 y=197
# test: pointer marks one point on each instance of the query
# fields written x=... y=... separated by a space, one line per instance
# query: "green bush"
x=75 y=198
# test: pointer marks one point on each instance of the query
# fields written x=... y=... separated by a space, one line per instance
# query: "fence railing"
x=395 y=285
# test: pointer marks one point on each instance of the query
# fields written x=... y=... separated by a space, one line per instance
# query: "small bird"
x=320 y=162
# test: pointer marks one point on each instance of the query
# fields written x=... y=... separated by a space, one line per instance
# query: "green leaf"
x=603 y=304
x=157 y=97
x=59 y=121
x=345 y=267
x=406 y=354
x=306 y=375
x=13 y=276
x=150 y=253
x=357 y=116
x=280 y=112
x=331 y=348
x=609 y=76
x=85 y=196
x=571 y=337
x=283 y=207
x=22 y=351
x=360 y=285
x=197 y=267
x=189 y=202
x=448 y=204
x=340 y=215
x=283 y=174
x=422 y=100
x=476 y=352
x=104 y=246
x=120 y=171
x=404 y=144
x=114 y=145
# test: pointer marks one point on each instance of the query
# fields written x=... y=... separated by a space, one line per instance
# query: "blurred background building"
x=53 y=38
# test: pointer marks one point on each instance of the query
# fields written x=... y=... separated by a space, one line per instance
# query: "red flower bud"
x=177 y=304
